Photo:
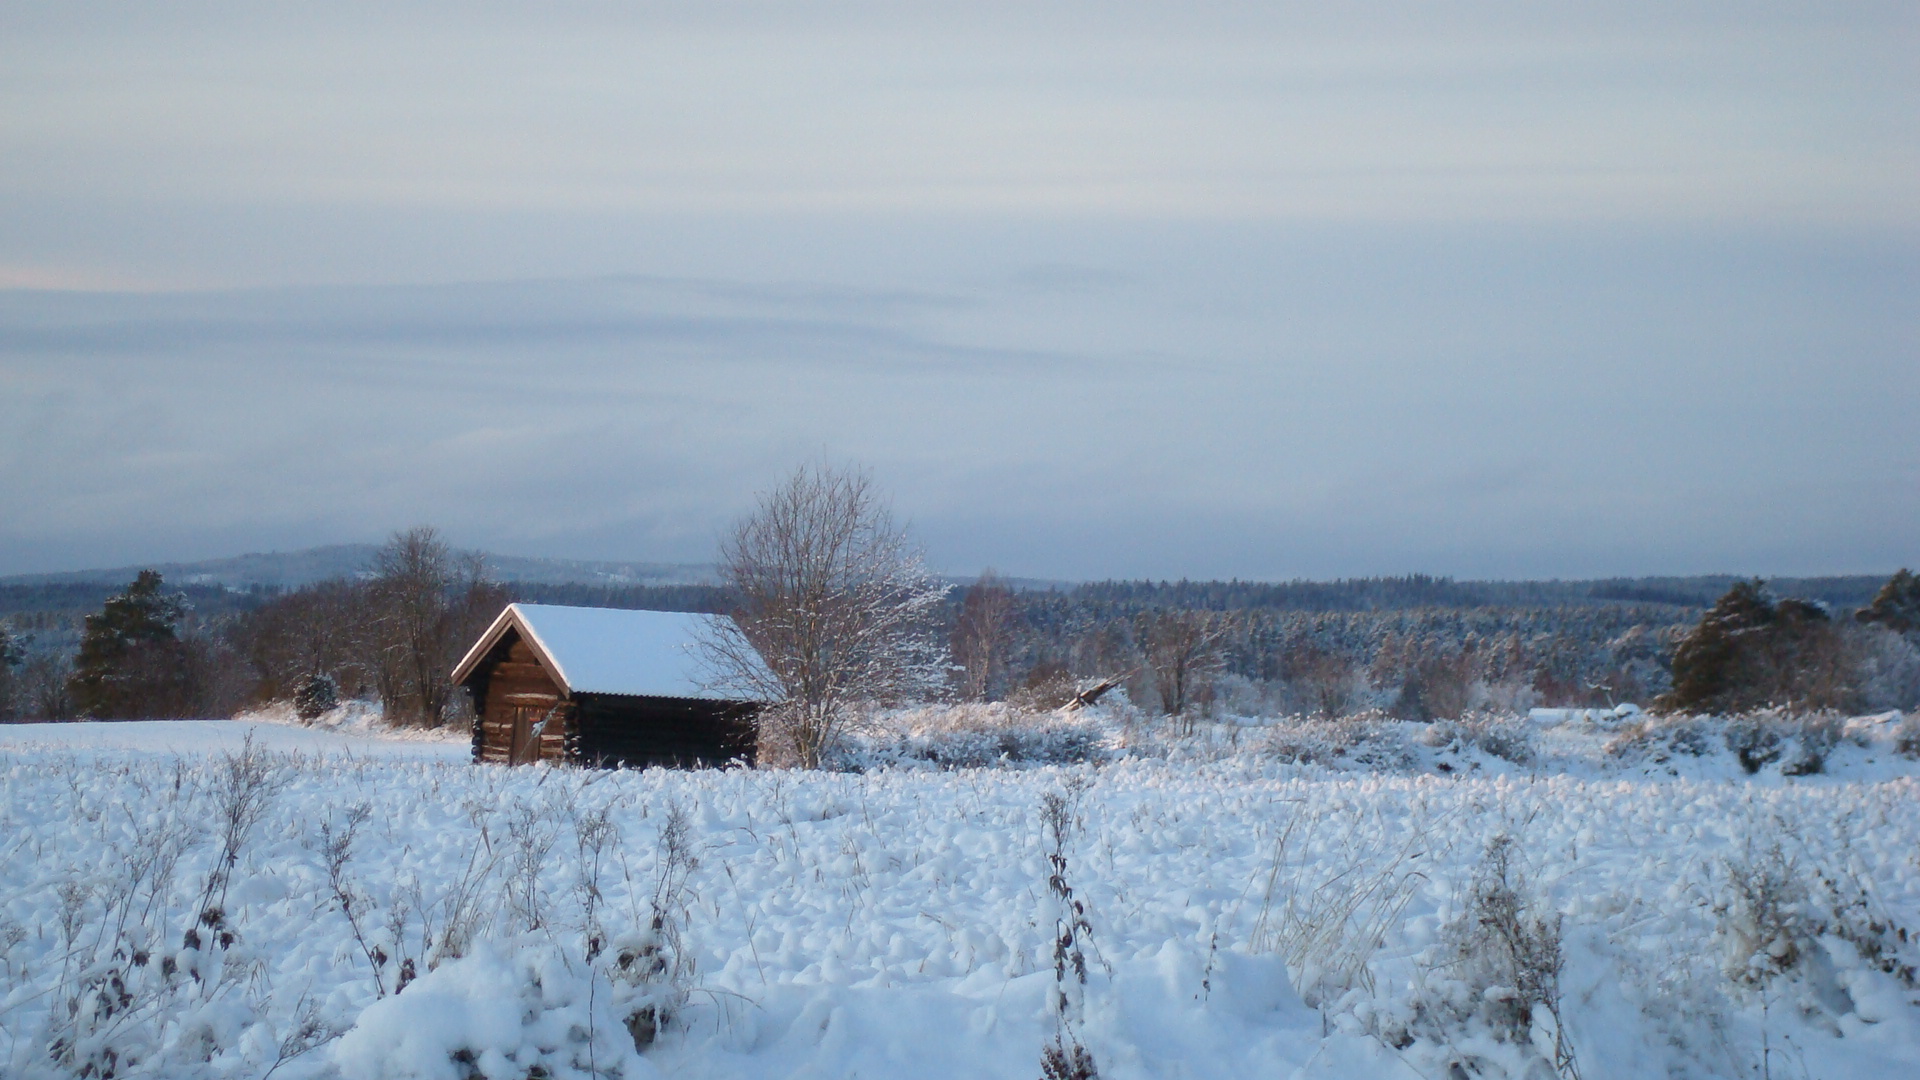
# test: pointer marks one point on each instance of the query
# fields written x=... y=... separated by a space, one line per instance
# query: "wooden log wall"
x=642 y=731
x=518 y=688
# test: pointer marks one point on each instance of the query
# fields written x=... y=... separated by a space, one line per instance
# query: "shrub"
x=1773 y=912
x=1506 y=738
x=317 y=696
x=1906 y=738
x=1369 y=739
x=1754 y=741
x=1660 y=740
x=1498 y=974
x=970 y=736
x=1047 y=687
x=1814 y=737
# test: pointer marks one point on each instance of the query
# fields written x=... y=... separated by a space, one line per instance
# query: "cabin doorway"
x=526 y=741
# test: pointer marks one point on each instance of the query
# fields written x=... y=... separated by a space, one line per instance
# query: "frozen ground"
x=214 y=914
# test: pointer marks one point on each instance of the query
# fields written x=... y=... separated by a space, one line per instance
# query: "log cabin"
x=601 y=686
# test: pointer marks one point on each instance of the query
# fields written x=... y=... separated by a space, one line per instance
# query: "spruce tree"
x=132 y=662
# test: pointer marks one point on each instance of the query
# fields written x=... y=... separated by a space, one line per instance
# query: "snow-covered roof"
x=611 y=650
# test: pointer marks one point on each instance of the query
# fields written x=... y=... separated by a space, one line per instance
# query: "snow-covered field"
x=349 y=734
x=173 y=904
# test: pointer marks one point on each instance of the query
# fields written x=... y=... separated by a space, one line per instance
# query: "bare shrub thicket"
x=395 y=636
x=833 y=609
x=1772 y=908
x=322 y=631
x=1497 y=972
x=135 y=962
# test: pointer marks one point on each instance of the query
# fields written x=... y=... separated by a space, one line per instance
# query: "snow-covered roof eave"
x=609 y=651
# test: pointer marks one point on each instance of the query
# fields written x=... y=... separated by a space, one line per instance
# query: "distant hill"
x=292 y=569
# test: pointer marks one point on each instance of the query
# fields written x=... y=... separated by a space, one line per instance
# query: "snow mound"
x=516 y=1008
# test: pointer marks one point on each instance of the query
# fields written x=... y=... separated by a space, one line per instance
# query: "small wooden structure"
x=600 y=686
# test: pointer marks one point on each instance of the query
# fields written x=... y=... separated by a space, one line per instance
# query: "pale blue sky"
x=1115 y=289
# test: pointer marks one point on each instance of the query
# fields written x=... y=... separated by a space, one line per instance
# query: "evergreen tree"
x=1897 y=605
x=1750 y=651
x=132 y=662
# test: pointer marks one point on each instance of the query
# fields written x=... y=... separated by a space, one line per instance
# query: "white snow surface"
x=615 y=651
x=351 y=730
x=899 y=923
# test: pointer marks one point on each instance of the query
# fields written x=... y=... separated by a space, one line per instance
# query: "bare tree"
x=1182 y=647
x=321 y=631
x=983 y=636
x=833 y=608
x=43 y=688
x=1325 y=679
x=430 y=603
x=12 y=655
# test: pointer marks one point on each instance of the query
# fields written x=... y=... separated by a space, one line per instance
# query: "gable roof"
x=609 y=650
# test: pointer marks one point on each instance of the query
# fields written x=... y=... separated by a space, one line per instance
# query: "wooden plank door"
x=526 y=746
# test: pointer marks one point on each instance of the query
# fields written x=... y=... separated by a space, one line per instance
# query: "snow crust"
x=897 y=923
x=614 y=651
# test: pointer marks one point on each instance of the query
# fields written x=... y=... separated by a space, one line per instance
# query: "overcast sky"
x=1251 y=290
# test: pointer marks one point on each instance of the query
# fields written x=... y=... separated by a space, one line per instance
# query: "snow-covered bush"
x=1817 y=927
x=1754 y=739
x=1370 y=739
x=1813 y=739
x=1906 y=737
x=1492 y=994
x=1799 y=742
x=1765 y=921
x=317 y=696
x=523 y=1007
x=1659 y=740
x=971 y=736
x=1508 y=738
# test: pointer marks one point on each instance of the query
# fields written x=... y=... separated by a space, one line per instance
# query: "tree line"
x=1417 y=647
x=391 y=636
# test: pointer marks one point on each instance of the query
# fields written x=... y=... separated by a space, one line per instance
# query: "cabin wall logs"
x=519 y=697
